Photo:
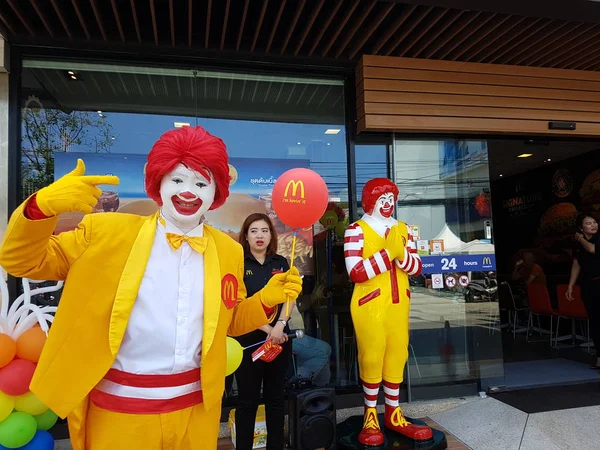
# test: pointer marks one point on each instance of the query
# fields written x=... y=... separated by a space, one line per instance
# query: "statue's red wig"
x=374 y=189
x=197 y=149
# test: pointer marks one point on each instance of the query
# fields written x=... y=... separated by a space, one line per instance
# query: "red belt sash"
x=147 y=394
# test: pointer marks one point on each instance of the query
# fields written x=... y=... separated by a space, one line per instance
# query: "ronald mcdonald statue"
x=136 y=357
x=380 y=256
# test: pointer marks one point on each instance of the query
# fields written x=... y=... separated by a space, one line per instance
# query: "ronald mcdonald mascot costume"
x=380 y=256
x=136 y=357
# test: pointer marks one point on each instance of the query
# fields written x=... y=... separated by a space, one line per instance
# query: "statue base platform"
x=347 y=437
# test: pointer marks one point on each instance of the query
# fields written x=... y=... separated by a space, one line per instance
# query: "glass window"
x=445 y=199
x=110 y=115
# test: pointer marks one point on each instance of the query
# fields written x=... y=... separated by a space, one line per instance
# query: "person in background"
x=261 y=261
x=586 y=267
x=310 y=354
x=528 y=271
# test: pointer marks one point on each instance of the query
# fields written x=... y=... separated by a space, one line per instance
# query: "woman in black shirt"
x=586 y=265
x=259 y=239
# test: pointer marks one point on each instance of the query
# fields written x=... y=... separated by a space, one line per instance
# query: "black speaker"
x=312 y=419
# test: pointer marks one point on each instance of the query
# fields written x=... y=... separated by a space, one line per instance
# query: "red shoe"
x=395 y=421
x=371 y=434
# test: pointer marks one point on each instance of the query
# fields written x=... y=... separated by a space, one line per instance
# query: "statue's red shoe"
x=371 y=434
x=395 y=421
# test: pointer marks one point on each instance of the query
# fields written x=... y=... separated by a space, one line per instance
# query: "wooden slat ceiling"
x=339 y=30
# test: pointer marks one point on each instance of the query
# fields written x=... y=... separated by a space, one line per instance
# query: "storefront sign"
x=458 y=263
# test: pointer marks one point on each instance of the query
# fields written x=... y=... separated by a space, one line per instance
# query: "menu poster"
x=437 y=246
x=423 y=247
x=252 y=181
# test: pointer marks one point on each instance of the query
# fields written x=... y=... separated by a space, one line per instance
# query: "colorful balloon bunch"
x=24 y=419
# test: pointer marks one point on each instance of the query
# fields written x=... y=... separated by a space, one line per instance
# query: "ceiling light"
x=70 y=72
x=99 y=112
x=501 y=175
x=525 y=155
x=549 y=159
x=73 y=77
x=332 y=131
x=181 y=124
x=329 y=143
x=298 y=143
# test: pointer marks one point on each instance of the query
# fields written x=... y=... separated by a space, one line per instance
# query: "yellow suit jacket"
x=103 y=262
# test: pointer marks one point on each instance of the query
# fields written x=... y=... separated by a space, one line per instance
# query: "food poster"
x=252 y=181
x=535 y=213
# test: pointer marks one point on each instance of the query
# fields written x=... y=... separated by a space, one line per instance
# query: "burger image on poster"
x=557 y=225
x=590 y=194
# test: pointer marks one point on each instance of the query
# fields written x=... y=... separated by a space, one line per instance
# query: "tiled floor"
x=453 y=443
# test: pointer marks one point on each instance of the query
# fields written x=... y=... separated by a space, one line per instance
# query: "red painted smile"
x=386 y=211
x=186 y=208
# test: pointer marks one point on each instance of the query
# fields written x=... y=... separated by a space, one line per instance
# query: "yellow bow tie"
x=198 y=243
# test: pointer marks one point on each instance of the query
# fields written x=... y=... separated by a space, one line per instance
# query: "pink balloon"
x=16 y=376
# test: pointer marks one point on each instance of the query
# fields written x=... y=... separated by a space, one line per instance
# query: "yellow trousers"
x=187 y=429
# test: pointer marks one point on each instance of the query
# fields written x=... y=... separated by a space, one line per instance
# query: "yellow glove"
x=281 y=288
x=72 y=192
x=395 y=244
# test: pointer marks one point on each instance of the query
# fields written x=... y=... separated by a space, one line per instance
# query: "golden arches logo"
x=228 y=291
x=487 y=261
x=294 y=185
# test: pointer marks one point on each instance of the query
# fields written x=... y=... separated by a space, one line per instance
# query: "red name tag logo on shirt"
x=229 y=290
x=267 y=352
x=275 y=271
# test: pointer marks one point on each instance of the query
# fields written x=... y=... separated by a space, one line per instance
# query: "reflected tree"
x=47 y=131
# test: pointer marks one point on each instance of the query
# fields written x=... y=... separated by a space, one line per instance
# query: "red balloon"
x=16 y=376
x=300 y=198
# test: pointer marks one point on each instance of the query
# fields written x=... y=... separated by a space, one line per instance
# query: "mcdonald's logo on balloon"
x=300 y=198
x=295 y=185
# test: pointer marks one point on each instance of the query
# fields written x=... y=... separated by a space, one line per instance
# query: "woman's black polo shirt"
x=256 y=276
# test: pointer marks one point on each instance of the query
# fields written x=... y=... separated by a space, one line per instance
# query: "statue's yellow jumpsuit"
x=380 y=309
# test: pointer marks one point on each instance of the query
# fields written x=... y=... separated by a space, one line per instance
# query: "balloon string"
x=287 y=304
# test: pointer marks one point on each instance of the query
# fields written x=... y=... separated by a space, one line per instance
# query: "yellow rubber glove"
x=73 y=192
x=281 y=288
x=395 y=244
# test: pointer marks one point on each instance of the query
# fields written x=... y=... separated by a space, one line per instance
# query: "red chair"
x=539 y=304
x=574 y=310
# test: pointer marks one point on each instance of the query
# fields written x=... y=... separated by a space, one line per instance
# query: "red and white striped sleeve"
x=411 y=264
x=359 y=269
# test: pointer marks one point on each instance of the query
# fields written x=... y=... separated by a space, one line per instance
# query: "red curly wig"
x=195 y=148
x=374 y=189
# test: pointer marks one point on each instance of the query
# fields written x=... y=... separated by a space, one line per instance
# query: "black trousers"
x=590 y=294
x=250 y=376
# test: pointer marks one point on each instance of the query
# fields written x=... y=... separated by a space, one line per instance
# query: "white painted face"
x=186 y=196
x=384 y=207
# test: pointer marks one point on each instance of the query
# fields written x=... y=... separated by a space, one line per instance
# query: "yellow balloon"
x=30 y=404
x=235 y=352
x=7 y=403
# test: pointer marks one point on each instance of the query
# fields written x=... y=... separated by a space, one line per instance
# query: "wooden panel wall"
x=425 y=96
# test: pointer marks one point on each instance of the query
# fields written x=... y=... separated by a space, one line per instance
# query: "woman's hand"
x=277 y=334
x=578 y=237
x=569 y=293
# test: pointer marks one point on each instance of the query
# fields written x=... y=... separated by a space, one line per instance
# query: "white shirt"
x=164 y=333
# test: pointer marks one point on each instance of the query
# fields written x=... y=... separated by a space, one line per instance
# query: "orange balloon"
x=8 y=349
x=30 y=344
